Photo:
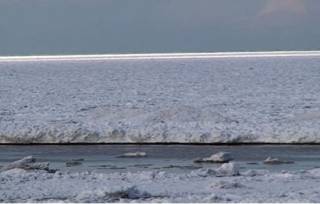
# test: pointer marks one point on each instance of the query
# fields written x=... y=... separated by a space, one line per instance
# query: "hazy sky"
x=29 y=27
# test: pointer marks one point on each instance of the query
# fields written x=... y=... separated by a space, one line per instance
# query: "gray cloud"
x=122 y=26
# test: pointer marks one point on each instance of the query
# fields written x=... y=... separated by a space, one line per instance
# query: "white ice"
x=266 y=98
x=18 y=185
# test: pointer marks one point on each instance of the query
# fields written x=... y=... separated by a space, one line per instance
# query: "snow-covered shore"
x=271 y=99
x=201 y=185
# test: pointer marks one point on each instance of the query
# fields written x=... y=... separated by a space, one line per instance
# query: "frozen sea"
x=161 y=98
x=183 y=98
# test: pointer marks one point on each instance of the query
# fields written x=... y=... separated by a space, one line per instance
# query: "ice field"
x=161 y=98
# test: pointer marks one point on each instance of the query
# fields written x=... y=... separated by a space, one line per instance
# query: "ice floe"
x=220 y=157
x=275 y=161
x=133 y=155
x=27 y=163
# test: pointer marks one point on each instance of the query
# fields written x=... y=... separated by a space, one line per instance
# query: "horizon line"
x=146 y=56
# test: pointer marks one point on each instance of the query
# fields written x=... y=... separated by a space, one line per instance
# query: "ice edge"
x=159 y=56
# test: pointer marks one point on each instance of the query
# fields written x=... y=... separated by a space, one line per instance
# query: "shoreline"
x=166 y=174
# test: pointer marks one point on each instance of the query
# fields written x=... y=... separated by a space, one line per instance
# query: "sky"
x=41 y=27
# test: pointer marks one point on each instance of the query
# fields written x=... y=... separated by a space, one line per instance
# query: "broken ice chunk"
x=133 y=154
x=220 y=157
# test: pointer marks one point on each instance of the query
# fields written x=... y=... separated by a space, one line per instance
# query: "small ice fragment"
x=273 y=161
x=22 y=163
x=27 y=163
x=220 y=157
x=314 y=172
x=255 y=172
x=228 y=169
x=97 y=195
x=204 y=172
x=134 y=154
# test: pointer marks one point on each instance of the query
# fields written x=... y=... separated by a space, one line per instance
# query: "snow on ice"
x=209 y=100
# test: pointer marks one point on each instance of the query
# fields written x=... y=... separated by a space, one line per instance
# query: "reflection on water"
x=172 y=158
